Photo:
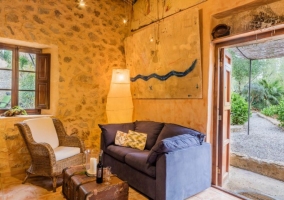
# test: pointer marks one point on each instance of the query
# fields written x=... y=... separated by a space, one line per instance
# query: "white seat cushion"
x=43 y=130
x=62 y=152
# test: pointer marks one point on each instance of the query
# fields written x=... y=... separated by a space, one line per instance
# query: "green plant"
x=273 y=91
x=270 y=111
x=16 y=110
x=257 y=94
x=6 y=56
x=239 y=110
x=280 y=112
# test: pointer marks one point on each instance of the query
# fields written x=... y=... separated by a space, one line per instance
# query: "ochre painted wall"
x=195 y=113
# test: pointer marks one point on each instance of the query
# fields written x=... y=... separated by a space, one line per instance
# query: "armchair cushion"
x=62 y=152
x=43 y=130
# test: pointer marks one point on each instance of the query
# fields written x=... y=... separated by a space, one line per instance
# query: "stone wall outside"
x=265 y=167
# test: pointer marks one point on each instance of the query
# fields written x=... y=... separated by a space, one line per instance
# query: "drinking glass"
x=87 y=157
x=107 y=174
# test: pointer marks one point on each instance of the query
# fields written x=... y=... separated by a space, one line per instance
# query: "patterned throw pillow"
x=136 y=140
x=121 y=138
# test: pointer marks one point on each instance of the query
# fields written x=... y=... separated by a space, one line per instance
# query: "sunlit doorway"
x=218 y=75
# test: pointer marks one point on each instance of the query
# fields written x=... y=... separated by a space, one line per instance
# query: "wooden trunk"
x=77 y=185
x=115 y=190
x=68 y=173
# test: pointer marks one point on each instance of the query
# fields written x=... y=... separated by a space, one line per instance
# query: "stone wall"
x=14 y=154
x=89 y=42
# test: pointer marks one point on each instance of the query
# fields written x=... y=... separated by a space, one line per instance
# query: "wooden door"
x=224 y=117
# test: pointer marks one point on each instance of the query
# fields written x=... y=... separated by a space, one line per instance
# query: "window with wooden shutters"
x=24 y=78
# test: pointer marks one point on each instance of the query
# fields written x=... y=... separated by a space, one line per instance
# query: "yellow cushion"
x=136 y=140
x=120 y=138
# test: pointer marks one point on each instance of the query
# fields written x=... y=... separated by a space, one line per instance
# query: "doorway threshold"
x=229 y=192
x=240 y=181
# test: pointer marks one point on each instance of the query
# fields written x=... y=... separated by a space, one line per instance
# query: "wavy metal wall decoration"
x=165 y=77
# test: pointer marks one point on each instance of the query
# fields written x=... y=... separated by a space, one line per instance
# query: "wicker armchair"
x=47 y=159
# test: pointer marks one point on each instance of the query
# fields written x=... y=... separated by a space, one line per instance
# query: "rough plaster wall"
x=195 y=113
x=90 y=45
x=256 y=18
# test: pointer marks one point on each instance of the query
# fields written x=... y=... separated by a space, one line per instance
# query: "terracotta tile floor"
x=40 y=188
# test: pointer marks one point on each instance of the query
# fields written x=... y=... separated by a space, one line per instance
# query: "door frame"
x=224 y=115
x=270 y=33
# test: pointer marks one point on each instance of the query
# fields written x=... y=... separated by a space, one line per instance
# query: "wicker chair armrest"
x=42 y=151
x=73 y=141
x=38 y=151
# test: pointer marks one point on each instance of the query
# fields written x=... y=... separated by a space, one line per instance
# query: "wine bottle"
x=100 y=169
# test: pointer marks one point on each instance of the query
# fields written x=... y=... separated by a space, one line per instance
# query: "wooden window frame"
x=39 y=104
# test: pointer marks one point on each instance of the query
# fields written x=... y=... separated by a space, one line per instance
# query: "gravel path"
x=265 y=140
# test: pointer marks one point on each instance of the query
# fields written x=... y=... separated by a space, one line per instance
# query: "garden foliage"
x=280 y=112
x=270 y=111
x=275 y=111
x=239 y=110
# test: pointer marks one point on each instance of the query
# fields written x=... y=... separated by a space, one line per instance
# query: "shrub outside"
x=239 y=110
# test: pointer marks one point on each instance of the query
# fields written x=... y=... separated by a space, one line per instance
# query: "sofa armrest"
x=183 y=173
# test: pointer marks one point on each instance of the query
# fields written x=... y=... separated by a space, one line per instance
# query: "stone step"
x=268 y=168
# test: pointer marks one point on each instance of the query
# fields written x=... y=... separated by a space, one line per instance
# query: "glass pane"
x=5 y=79
x=27 y=99
x=5 y=59
x=26 y=81
x=5 y=99
x=27 y=61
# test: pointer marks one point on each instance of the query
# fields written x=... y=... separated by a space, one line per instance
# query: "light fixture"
x=125 y=21
x=119 y=106
x=151 y=38
x=82 y=3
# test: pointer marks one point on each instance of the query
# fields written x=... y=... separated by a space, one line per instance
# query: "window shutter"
x=42 y=96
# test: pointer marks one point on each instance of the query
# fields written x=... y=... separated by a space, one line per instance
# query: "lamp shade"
x=120 y=76
x=119 y=107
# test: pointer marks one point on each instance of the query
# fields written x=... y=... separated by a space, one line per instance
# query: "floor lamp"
x=119 y=107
